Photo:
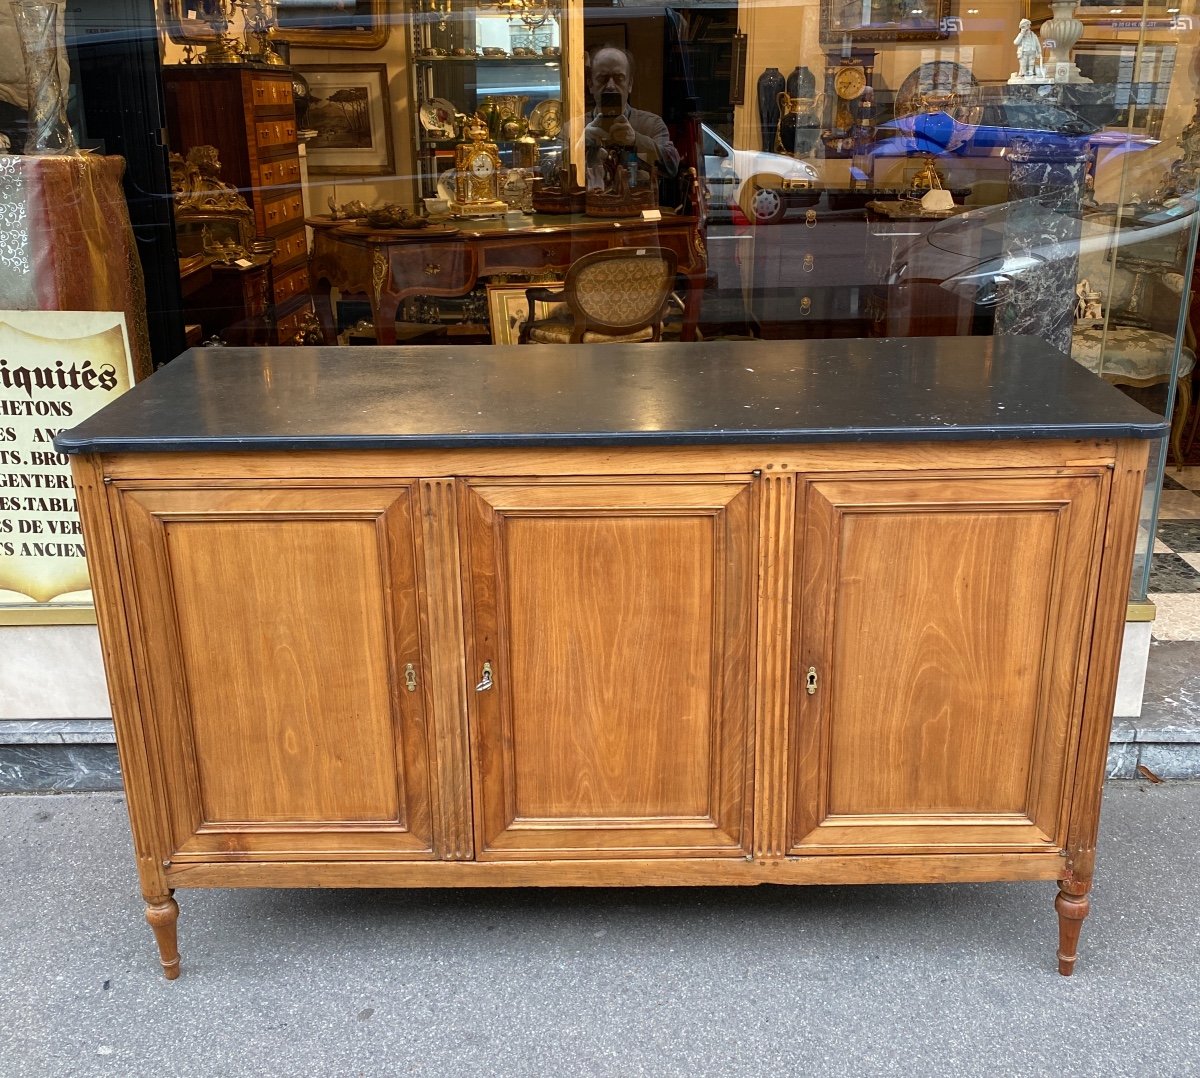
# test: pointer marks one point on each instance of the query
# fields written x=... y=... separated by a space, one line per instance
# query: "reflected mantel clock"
x=477 y=173
x=847 y=88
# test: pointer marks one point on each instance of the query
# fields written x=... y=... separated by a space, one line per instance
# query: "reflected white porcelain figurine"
x=1030 y=68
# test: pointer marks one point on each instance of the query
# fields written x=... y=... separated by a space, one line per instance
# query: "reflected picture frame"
x=508 y=308
x=1130 y=67
x=354 y=133
x=311 y=26
x=891 y=21
x=1151 y=15
x=306 y=25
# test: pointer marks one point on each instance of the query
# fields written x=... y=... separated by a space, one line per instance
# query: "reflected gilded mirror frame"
x=888 y=20
x=185 y=29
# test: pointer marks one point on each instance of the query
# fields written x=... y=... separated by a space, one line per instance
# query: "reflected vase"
x=1059 y=34
x=37 y=25
x=770 y=85
x=801 y=83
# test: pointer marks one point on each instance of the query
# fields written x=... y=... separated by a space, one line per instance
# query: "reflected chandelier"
x=533 y=13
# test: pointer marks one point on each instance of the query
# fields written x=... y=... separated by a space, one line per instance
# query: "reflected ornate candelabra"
x=260 y=26
x=219 y=16
x=440 y=9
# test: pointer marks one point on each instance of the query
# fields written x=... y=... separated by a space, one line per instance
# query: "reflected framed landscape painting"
x=350 y=112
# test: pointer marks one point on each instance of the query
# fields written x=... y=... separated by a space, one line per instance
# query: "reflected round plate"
x=437 y=117
x=546 y=118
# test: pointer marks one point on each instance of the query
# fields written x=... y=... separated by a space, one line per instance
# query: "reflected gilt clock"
x=477 y=173
x=847 y=93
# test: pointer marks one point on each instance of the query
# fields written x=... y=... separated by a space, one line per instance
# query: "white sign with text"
x=56 y=369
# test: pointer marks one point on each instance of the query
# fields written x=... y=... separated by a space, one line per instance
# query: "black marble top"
x=898 y=389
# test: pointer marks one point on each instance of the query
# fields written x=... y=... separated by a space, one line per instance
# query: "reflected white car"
x=761 y=185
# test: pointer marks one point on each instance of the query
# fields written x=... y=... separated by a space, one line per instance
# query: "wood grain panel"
x=958 y=644
x=1120 y=533
x=308 y=735
x=631 y=872
x=277 y=681
x=616 y=620
x=946 y=620
x=611 y=711
x=777 y=537
x=119 y=632
x=865 y=459
x=441 y=580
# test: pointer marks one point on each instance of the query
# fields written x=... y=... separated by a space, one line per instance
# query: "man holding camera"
x=614 y=123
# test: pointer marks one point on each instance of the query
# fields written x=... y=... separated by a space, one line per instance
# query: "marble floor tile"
x=1186 y=477
x=1193 y=560
x=1171 y=694
x=1171 y=484
x=1160 y=547
x=1182 y=536
x=1170 y=573
x=1179 y=505
x=1177 y=617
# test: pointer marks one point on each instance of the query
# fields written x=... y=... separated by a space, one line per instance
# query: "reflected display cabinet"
x=474 y=61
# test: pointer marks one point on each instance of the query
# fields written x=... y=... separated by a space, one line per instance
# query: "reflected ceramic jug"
x=799 y=125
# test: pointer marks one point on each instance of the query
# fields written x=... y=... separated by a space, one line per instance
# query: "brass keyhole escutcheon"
x=410 y=678
x=810 y=681
x=485 y=682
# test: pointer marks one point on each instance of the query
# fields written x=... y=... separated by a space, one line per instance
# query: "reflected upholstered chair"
x=607 y=297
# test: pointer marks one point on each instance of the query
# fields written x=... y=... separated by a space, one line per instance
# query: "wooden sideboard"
x=391 y=266
x=249 y=115
x=721 y=613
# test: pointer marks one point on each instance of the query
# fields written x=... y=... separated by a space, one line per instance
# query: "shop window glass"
x=378 y=172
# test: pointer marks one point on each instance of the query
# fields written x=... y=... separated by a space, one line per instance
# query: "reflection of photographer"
x=614 y=123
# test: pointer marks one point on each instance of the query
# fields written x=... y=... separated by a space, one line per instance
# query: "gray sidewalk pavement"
x=910 y=980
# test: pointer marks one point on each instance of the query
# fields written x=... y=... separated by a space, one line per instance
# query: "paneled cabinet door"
x=283 y=669
x=944 y=631
x=611 y=635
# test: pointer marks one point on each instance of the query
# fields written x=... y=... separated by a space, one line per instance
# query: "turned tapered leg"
x=1072 y=906
x=162 y=913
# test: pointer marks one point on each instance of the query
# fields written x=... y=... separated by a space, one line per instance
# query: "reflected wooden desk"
x=390 y=267
x=229 y=301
